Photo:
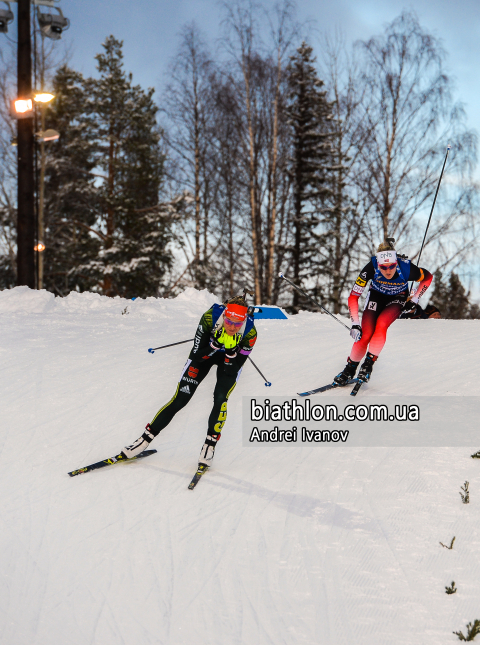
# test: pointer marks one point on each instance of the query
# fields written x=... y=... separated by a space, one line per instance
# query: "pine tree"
x=105 y=228
x=71 y=202
x=451 y=299
x=309 y=114
x=134 y=255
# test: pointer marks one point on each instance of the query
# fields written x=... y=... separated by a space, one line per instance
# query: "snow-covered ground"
x=329 y=545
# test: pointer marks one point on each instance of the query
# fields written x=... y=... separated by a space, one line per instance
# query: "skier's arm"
x=242 y=352
x=423 y=277
x=366 y=274
x=201 y=350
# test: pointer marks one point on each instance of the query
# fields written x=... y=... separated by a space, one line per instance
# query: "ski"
x=109 y=462
x=355 y=390
x=201 y=470
x=324 y=388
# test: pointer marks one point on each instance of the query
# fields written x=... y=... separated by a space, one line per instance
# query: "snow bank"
x=279 y=545
x=25 y=301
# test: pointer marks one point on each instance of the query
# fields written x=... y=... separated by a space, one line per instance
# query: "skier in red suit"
x=387 y=298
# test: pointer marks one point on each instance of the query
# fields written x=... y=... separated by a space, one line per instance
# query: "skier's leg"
x=223 y=388
x=385 y=319
x=359 y=348
x=192 y=375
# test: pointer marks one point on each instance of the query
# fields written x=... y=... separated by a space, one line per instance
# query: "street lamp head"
x=48 y=135
x=39 y=247
x=43 y=97
x=6 y=17
x=21 y=108
x=51 y=24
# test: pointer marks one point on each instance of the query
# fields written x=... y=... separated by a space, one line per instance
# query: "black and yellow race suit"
x=201 y=359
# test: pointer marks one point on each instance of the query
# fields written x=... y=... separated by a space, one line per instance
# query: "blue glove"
x=356 y=332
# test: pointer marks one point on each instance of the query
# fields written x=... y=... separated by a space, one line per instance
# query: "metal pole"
x=449 y=147
x=267 y=383
x=41 y=227
x=25 y=148
x=152 y=349
x=292 y=284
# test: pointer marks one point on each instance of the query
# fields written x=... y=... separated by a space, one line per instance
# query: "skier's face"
x=231 y=327
x=388 y=270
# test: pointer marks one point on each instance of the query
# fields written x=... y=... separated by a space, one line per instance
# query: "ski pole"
x=267 y=383
x=449 y=147
x=312 y=300
x=152 y=349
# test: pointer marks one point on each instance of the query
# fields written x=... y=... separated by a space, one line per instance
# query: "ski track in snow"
x=277 y=545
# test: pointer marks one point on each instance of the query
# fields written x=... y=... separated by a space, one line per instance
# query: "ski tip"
x=152 y=351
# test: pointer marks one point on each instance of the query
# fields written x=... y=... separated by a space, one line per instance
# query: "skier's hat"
x=235 y=312
x=386 y=257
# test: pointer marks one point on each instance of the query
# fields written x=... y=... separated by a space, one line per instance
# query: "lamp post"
x=25 y=148
x=42 y=99
x=52 y=26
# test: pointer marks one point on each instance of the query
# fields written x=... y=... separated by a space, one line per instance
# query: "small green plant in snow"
x=472 y=631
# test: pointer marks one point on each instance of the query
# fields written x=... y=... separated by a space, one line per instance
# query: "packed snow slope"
x=327 y=545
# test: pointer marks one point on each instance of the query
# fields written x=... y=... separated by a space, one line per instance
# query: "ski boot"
x=208 y=449
x=367 y=366
x=139 y=445
x=347 y=374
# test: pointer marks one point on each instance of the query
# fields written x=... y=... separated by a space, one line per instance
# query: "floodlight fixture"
x=39 y=247
x=43 y=97
x=47 y=135
x=51 y=24
x=6 y=17
x=21 y=108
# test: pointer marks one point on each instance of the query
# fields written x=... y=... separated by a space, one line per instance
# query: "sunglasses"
x=387 y=267
x=231 y=322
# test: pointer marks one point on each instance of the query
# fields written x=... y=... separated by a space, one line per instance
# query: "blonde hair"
x=237 y=300
x=385 y=246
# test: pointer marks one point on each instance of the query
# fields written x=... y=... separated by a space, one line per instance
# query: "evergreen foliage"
x=122 y=121
x=473 y=629
x=465 y=494
x=105 y=230
x=309 y=115
x=451 y=299
x=71 y=204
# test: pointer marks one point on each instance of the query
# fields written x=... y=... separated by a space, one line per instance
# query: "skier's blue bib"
x=397 y=284
x=217 y=311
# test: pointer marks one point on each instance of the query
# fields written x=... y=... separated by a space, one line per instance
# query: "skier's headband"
x=386 y=257
x=236 y=313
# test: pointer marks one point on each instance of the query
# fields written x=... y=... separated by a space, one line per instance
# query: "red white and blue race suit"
x=384 y=303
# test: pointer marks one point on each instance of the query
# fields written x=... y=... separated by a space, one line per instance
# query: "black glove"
x=409 y=307
x=214 y=341
x=229 y=362
x=356 y=332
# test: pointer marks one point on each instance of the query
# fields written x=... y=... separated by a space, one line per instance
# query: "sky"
x=150 y=31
